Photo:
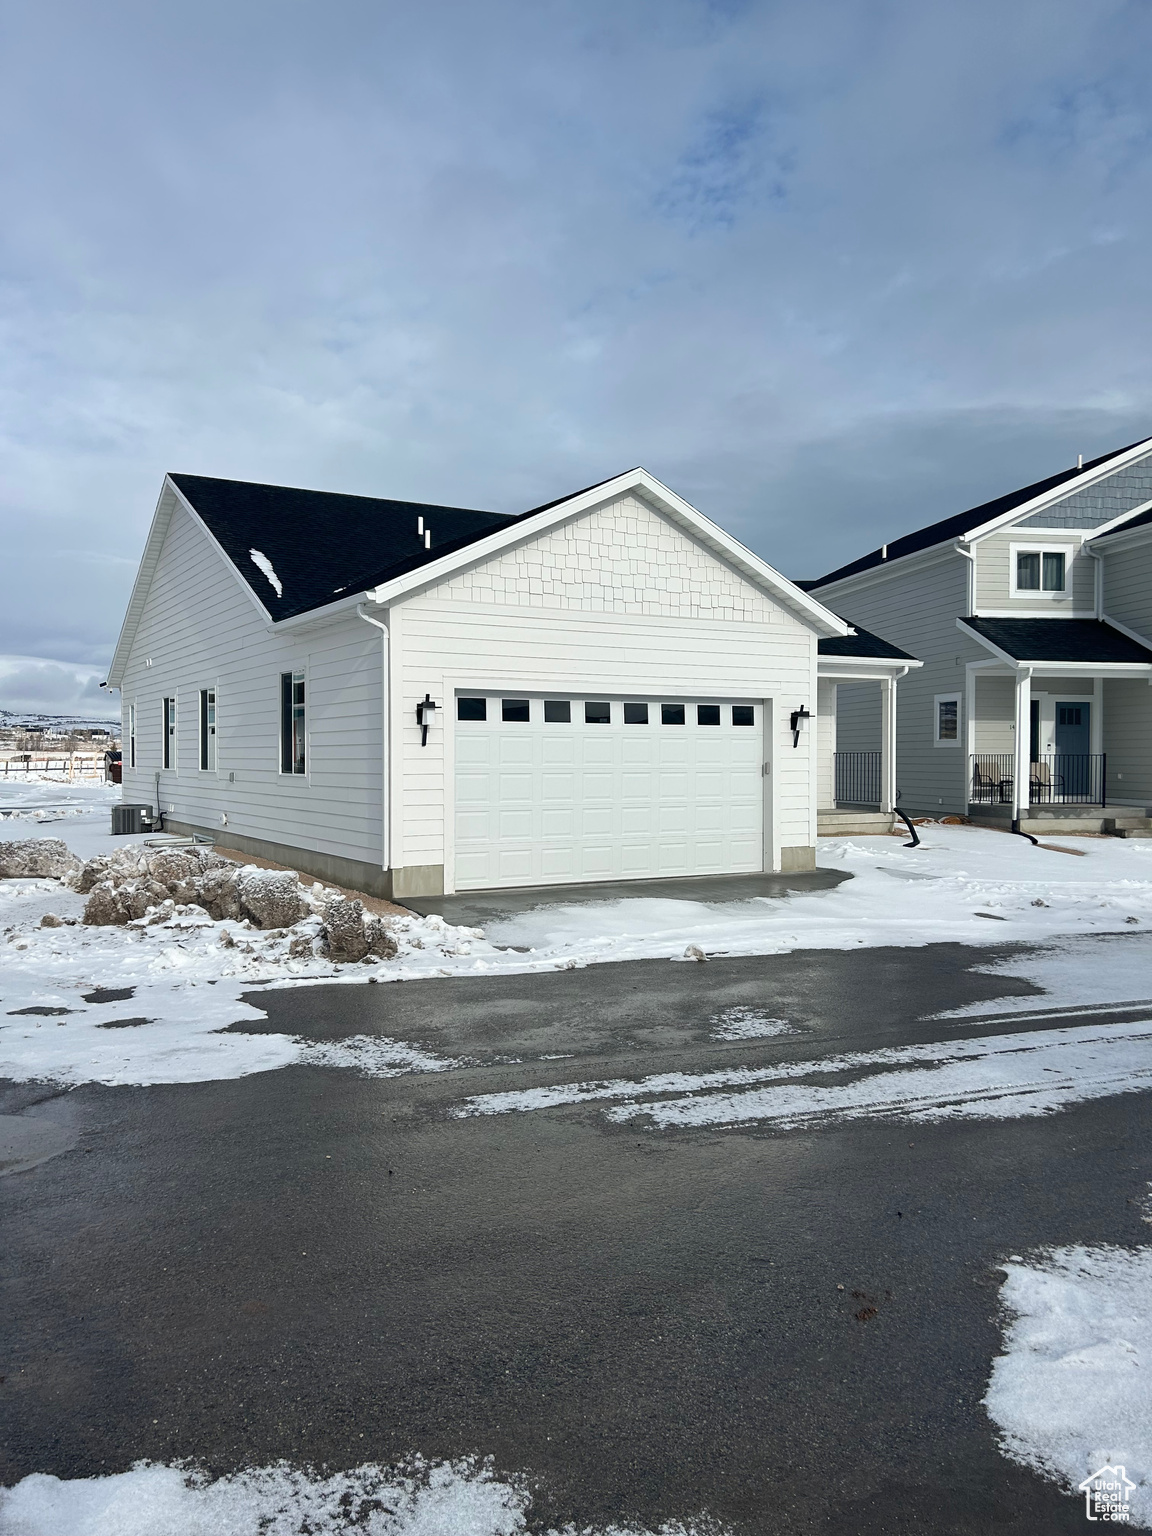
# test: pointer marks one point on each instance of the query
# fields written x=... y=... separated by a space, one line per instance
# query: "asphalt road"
x=329 y=1269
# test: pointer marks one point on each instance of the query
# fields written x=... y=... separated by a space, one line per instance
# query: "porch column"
x=1022 y=776
x=888 y=745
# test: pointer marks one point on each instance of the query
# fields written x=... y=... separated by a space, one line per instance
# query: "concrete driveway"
x=331 y=1269
x=476 y=908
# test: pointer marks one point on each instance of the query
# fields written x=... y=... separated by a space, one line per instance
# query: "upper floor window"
x=292 y=723
x=1040 y=570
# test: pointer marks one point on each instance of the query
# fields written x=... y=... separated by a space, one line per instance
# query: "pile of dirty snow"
x=1072 y=1392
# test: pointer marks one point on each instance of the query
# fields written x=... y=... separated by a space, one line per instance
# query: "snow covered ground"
x=991 y=1077
x=462 y=1498
x=37 y=799
x=181 y=981
x=964 y=884
x=1073 y=1390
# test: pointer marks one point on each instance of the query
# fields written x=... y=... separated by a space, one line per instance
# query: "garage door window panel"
x=635 y=714
x=515 y=711
x=557 y=712
x=671 y=714
x=471 y=709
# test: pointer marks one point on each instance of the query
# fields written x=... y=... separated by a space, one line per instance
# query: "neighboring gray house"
x=1032 y=615
x=416 y=699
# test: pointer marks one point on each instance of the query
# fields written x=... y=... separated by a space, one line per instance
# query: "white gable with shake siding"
x=413 y=699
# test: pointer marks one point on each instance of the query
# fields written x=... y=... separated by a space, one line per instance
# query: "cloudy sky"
x=830 y=270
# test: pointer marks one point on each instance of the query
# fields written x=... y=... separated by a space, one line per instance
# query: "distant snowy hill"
x=57 y=725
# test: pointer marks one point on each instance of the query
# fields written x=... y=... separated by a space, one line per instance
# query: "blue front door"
x=1073 y=728
x=1073 y=766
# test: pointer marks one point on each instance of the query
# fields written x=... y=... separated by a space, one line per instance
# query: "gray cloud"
x=828 y=271
x=30 y=684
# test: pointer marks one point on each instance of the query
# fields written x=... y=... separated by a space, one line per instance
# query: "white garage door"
x=551 y=790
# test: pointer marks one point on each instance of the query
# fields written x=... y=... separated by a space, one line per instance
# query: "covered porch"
x=856 y=790
x=1038 y=726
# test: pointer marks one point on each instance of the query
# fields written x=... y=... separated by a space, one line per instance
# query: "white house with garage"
x=1032 y=615
x=415 y=700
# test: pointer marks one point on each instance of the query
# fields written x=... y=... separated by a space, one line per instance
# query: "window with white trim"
x=208 y=730
x=131 y=735
x=946 y=719
x=168 y=738
x=293 y=723
x=1039 y=572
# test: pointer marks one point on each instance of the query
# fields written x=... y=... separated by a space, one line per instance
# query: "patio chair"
x=1044 y=785
x=987 y=790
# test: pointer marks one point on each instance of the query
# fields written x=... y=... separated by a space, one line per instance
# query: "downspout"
x=385 y=754
x=971 y=559
x=1097 y=582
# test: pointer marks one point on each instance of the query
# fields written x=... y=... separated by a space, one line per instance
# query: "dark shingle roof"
x=323 y=545
x=954 y=527
x=862 y=645
x=1060 y=640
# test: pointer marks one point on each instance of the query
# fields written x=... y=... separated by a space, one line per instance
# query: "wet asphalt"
x=331 y=1269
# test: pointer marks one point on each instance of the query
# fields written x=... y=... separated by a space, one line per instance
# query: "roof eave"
x=1060 y=492
x=863 y=666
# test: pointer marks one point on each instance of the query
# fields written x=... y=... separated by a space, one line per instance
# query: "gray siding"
x=915 y=610
x=1128 y=739
x=994 y=576
x=858 y=720
x=200 y=630
x=995 y=724
x=1099 y=503
x=1128 y=585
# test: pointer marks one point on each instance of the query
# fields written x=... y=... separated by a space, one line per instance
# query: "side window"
x=1052 y=573
x=947 y=719
x=168 y=736
x=1028 y=571
x=1040 y=570
x=293 y=723
x=208 y=729
x=131 y=735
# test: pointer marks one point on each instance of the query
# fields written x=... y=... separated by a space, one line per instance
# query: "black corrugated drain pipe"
x=915 y=843
x=1019 y=831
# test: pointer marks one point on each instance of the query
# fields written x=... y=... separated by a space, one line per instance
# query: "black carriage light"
x=797 y=723
x=424 y=716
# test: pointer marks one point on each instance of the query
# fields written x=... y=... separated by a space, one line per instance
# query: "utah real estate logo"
x=1106 y=1493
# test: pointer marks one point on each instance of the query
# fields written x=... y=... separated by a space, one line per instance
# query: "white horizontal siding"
x=199 y=629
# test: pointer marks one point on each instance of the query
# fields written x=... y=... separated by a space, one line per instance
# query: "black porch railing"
x=857 y=778
x=1058 y=778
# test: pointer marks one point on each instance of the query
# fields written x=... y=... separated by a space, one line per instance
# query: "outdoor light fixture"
x=424 y=716
x=797 y=723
